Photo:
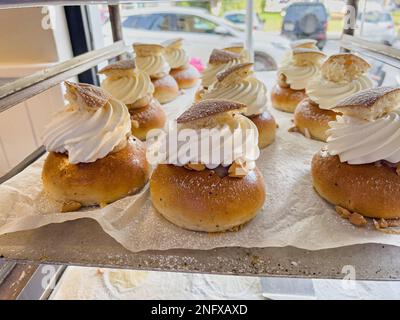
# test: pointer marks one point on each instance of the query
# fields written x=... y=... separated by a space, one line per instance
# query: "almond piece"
x=69 y=206
x=343 y=212
x=237 y=170
x=357 y=219
x=195 y=166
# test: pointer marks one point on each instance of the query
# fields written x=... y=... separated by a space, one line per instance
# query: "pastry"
x=359 y=170
x=294 y=76
x=341 y=76
x=182 y=71
x=219 y=188
x=240 y=50
x=219 y=61
x=93 y=160
x=304 y=43
x=150 y=58
x=238 y=84
x=134 y=88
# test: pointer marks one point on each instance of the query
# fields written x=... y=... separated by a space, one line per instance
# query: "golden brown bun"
x=370 y=190
x=186 y=76
x=106 y=180
x=286 y=99
x=203 y=201
x=146 y=118
x=165 y=89
x=266 y=126
x=312 y=121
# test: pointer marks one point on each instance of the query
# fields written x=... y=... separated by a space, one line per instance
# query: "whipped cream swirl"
x=298 y=77
x=359 y=141
x=88 y=134
x=176 y=58
x=154 y=66
x=212 y=147
x=328 y=94
x=209 y=75
x=250 y=92
x=129 y=89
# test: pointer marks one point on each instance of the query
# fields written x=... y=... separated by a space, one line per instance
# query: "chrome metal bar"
x=377 y=51
x=21 y=89
x=350 y=28
x=249 y=29
x=23 y=164
x=116 y=25
x=6 y=4
x=5 y=268
x=42 y=283
x=115 y=21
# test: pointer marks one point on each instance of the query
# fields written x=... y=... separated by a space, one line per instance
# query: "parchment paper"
x=293 y=213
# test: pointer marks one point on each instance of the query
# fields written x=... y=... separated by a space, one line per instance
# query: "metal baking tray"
x=83 y=242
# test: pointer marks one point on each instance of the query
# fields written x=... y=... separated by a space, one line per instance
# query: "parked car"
x=239 y=19
x=378 y=26
x=201 y=31
x=306 y=20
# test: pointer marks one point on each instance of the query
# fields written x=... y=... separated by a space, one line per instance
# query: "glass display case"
x=360 y=28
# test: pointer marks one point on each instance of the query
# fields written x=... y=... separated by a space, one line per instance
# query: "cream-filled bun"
x=240 y=50
x=342 y=75
x=134 y=88
x=304 y=43
x=219 y=61
x=92 y=157
x=218 y=189
x=184 y=73
x=237 y=83
x=151 y=59
x=294 y=76
x=359 y=168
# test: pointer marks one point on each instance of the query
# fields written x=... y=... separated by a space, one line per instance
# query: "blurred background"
x=208 y=24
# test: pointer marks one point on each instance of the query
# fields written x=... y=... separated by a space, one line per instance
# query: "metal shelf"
x=376 y=51
x=28 y=3
x=21 y=89
x=83 y=242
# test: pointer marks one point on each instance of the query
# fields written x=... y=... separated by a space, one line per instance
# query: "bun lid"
x=370 y=104
x=235 y=73
x=209 y=109
x=305 y=56
x=119 y=68
x=235 y=48
x=304 y=43
x=86 y=95
x=222 y=56
x=148 y=49
x=175 y=43
x=344 y=67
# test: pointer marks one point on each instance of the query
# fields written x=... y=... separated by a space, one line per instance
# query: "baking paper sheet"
x=293 y=214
